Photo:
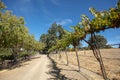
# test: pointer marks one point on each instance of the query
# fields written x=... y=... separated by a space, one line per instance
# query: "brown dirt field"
x=111 y=59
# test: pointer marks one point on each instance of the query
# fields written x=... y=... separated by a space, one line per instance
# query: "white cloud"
x=55 y=2
x=65 y=22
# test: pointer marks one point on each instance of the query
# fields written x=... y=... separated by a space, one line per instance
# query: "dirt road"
x=36 y=69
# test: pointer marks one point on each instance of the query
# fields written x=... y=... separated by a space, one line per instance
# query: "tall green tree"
x=14 y=35
x=50 y=39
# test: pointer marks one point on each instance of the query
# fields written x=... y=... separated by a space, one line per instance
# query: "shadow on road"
x=55 y=71
x=73 y=70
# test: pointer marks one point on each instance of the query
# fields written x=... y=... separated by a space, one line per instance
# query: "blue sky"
x=40 y=14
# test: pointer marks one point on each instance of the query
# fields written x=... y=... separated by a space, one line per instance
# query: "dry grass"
x=111 y=59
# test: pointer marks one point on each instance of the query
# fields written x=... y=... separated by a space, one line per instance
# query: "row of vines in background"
x=102 y=21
